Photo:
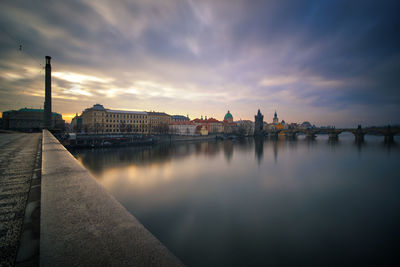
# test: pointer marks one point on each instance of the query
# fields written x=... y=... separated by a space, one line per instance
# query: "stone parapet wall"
x=83 y=225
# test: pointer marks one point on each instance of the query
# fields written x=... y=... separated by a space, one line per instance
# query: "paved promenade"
x=81 y=224
x=19 y=205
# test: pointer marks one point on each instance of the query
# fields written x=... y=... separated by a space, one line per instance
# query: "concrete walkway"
x=19 y=163
x=54 y=212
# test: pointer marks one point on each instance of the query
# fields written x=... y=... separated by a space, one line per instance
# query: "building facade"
x=230 y=127
x=30 y=120
x=76 y=124
x=182 y=128
x=97 y=119
x=159 y=122
x=276 y=125
x=211 y=125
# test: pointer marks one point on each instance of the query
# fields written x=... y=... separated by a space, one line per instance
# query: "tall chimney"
x=47 y=100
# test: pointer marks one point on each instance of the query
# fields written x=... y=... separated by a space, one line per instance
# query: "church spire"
x=275 y=120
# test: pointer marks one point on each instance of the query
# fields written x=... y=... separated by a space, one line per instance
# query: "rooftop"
x=228 y=116
x=182 y=123
x=157 y=113
x=210 y=120
x=29 y=110
x=180 y=117
x=126 y=111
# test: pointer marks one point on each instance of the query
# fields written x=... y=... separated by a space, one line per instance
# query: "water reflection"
x=97 y=160
x=228 y=150
x=259 y=148
x=260 y=201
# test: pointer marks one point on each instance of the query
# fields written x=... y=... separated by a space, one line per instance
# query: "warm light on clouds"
x=79 y=78
x=77 y=90
x=278 y=80
x=205 y=57
x=11 y=76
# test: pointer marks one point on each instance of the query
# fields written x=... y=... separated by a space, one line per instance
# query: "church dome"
x=228 y=116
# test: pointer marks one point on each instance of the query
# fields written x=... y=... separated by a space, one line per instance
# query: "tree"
x=122 y=127
x=241 y=130
x=129 y=128
x=161 y=128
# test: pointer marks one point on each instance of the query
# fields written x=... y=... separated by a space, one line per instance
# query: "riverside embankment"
x=81 y=224
x=54 y=213
x=128 y=139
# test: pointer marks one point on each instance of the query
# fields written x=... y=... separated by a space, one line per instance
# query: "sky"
x=327 y=62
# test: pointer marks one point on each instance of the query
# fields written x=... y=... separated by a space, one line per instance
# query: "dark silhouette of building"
x=47 y=101
x=30 y=120
x=275 y=120
x=258 y=124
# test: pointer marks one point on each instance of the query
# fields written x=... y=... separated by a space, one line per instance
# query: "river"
x=261 y=202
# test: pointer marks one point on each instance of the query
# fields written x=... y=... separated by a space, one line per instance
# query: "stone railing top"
x=83 y=225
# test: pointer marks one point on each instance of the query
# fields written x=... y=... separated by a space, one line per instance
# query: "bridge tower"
x=389 y=135
x=359 y=134
x=258 y=124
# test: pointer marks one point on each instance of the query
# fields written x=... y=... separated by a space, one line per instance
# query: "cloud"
x=79 y=78
x=278 y=80
x=206 y=56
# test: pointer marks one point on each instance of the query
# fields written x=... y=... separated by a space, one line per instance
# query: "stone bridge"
x=333 y=133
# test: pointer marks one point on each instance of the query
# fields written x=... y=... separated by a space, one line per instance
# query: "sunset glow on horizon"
x=330 y=63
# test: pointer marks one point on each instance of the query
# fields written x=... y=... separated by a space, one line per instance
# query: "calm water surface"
x=244 y=203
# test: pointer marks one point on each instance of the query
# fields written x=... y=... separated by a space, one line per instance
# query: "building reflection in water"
x=259 y=148
x=228 y=150
x=191 y=194
x=359 y=145
x=97 y=160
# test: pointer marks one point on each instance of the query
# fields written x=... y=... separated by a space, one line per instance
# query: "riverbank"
x=115 y=140
x=82 y=224
x=54 y=213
